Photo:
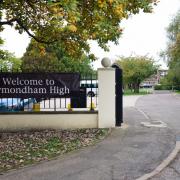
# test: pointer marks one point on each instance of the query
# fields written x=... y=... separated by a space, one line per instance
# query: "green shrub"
x=157 y=87
x=177 y=87
x=163 y=87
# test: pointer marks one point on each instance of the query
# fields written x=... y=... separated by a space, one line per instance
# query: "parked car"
x=146 y=85
x=91 y=87
x=16 y=104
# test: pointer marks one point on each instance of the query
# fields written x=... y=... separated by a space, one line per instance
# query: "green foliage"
x=173 y=76
x=135 y=70
x=167 y=87
x=8 y=62
x=172 y=52
x=174 y=28
x=53 y=58
x=162 y=87
x=71 y=22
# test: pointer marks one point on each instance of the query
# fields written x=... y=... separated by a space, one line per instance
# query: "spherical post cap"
x=106 y=62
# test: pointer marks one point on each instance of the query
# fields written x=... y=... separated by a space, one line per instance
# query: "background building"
x=154 y=79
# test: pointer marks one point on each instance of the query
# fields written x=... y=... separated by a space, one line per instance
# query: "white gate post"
x=106 y=102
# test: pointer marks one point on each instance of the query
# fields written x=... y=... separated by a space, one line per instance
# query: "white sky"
x=144 y=34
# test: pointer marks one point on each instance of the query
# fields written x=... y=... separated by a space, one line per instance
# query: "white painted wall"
x=106 y=103
x=44 y=121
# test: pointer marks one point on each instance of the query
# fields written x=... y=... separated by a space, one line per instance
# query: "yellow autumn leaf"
x=101 y=3
x=93 y=35
x=119 y=10
x=72 y=28
x=110 y=1
x=55 y=10
x=42 y=51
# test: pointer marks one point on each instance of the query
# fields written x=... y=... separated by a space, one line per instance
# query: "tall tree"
x=53 y=58
x=136 y=69
x=173 y=51
x=71 y=22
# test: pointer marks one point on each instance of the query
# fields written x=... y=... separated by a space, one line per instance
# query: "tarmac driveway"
x=164 y=106
x=128 y=152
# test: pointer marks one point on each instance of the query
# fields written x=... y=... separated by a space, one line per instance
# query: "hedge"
x=166 y=87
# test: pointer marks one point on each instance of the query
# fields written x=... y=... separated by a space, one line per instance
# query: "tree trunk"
x=136 y=88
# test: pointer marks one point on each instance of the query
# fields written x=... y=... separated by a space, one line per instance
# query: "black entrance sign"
x=38 y=85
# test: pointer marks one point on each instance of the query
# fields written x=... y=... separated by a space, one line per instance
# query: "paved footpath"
x=127 y=154
x=165 y=107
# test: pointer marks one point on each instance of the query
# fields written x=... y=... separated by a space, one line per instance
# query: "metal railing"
x=88 y=83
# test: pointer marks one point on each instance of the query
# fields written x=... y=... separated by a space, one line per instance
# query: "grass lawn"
x=178 y=92
x=28 y=147
x=143 y=91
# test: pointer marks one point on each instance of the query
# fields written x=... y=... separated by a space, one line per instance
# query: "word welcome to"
x=17 y=81
x=48 y=85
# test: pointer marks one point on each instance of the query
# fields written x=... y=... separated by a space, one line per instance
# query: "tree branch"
x=31 y=35
x=11 y=21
